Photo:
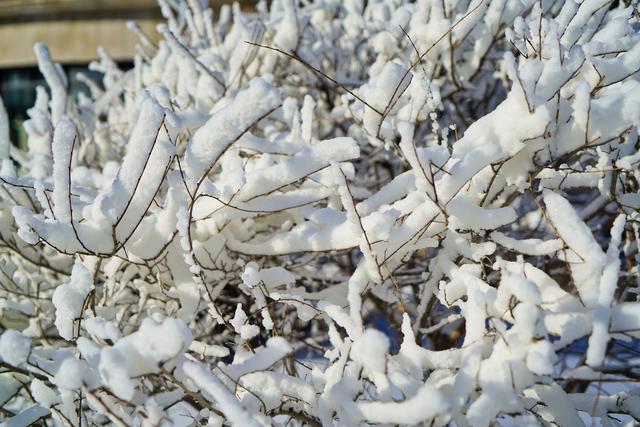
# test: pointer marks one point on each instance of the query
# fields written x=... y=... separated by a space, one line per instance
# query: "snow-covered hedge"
x=332 y=213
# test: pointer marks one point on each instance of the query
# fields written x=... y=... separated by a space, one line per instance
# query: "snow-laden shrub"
x=332 y=213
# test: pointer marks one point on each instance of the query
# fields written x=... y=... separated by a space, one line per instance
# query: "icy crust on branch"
x=335 y=213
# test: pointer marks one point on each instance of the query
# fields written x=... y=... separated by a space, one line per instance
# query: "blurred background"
x=73 y=30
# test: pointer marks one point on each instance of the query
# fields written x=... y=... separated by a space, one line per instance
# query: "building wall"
x=73 y=29
x=69 y=41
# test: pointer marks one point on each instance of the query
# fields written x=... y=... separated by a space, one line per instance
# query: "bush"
x=332 y=213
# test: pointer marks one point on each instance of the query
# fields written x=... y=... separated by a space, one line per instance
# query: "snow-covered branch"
x=332 y=213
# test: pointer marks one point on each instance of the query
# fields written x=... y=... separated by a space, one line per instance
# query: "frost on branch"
x=332 y=213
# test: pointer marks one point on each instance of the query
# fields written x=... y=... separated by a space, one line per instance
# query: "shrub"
x=332 y=213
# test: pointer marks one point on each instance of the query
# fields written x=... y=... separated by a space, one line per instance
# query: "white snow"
x=427 y=403
x=70 y=301
x=416 y=237
x=608 y=285
x=465 y=214
x=14 y=347
x=64 y=139
x=228 y=124
x=582 y=247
